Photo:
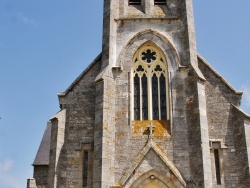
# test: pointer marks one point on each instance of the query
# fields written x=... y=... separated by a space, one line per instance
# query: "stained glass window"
x=136 y=97
x=144 y=97
x=163 y=101
x=155 y=97
x=150 y=85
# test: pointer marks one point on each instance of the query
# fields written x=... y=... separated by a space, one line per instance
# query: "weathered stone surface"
x=96 y=115
x=41 y=176
x=31 y=183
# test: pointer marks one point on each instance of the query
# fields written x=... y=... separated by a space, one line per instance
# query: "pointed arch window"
x=150 y=84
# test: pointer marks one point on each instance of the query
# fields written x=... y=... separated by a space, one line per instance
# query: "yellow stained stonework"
x=152 y=185
x=140 y=128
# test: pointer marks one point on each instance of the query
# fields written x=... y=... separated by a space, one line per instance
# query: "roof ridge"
x=218 y=75
x=61 y=94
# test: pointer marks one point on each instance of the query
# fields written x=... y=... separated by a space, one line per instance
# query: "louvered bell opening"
x=134 y=2
x=160 y=2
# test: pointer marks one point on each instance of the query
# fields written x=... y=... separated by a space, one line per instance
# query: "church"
x=148 y=112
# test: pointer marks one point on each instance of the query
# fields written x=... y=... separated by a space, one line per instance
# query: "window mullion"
x=140 y=78
x=159 y=97
x=150 y=104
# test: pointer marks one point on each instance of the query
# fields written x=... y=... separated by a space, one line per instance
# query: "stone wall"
x=239 y=158
x=227 y=125
x=41 y=176
x=79 y=103
x=172 y=30
x=31 y=183
x=170 y=36
x=194 y=132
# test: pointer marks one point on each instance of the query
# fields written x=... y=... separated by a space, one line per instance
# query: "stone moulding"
x=63 y=94
x=84 y=141
x=135 y=18
x=218 y=75
x=220 y=141
x=163 y=38
x=244 y=113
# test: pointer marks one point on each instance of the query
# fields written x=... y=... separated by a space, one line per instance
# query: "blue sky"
x=45 y=45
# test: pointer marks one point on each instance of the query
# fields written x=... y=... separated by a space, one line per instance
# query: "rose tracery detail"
x=149 y=56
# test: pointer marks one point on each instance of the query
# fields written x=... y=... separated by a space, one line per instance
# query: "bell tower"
x=130 y=91
x=172 y=18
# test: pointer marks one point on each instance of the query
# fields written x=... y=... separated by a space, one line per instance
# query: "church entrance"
x=151 y=182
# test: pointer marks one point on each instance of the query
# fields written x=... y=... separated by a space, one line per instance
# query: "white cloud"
x=246 y=93
x=8 y=178
x=26 y=20
x=6 y=165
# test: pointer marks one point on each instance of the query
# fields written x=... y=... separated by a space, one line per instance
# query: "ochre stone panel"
x=161 y=127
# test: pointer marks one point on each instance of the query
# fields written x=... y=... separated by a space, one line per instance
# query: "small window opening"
x=134 y=2
x=85 y=168
x=160 y=2
x=217 y=166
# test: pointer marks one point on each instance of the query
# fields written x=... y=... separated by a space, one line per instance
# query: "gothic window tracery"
x=150 y=96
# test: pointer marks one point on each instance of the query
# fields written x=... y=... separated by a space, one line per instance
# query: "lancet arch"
x=161 y=41
x=150 y=90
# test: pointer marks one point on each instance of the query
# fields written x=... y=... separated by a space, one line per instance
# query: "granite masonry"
x=148 y=112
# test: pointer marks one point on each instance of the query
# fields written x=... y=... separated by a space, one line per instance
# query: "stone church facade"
x=148 y=112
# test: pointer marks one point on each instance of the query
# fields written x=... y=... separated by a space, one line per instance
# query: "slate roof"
x=42 y=155
x=218 y=75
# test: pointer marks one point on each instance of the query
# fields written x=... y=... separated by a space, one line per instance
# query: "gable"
x=152 y=160
x=96 y=61
x=209 y=71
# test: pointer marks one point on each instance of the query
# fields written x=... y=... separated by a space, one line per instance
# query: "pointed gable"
x=157 y=157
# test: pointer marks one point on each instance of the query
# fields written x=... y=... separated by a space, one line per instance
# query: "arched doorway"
x=151 y=182
x=153 y=179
